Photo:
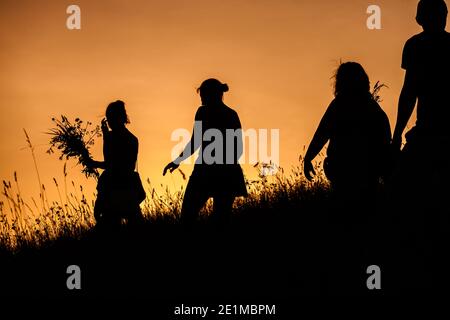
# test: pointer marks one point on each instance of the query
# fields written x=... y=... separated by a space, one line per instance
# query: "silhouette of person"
x=426 y=59
x=420 y=187
x=216 y=174
x=359 y=136
x=117 y=197
x=358 y=133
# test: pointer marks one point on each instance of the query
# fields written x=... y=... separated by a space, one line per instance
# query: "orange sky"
x=277 y=57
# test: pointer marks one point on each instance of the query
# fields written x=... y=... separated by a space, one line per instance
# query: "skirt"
x=213 y=180
x=118 y=196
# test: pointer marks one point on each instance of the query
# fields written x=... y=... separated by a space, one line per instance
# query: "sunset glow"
x=277 y=57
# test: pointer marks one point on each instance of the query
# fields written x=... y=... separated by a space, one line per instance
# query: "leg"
x=222 y=207
x=135 y=219
x=109 y=224
x=193 y=201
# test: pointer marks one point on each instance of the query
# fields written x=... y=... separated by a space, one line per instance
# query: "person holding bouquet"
x=119 y=187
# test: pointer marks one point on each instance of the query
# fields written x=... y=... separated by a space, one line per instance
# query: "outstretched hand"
x=171 y=167
x=308 y=168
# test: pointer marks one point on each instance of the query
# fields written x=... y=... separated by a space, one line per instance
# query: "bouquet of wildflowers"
x=73 y=140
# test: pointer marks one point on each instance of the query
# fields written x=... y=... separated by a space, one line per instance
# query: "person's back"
x=426 y=57
x=359 y=139
x=358 y=133
x=120 y=151
x=222 y=118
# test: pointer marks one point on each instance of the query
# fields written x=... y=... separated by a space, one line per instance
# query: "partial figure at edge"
x=421 y=179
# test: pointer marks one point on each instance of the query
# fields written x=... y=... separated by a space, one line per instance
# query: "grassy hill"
x=287 y=239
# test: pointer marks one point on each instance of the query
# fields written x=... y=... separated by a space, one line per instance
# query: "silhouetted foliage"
x=73 y=140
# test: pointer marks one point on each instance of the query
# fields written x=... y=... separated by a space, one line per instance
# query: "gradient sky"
x=277 y=56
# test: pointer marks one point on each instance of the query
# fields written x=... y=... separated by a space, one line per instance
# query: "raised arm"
x=88 y=161
x=406 y=106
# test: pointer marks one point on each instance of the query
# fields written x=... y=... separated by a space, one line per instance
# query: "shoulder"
x=414 y=41
x=412 y=48
x=413 y=44
x=200 y=112
x=132 y=138
x=332 y=110
x=228 y=112
x=335 y=103
x=231 y=110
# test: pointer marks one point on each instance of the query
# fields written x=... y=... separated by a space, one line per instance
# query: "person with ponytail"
x=119 y=188
x=220 y=176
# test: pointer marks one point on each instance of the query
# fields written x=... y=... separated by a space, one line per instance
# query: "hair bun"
x=225 y=87
x=213 y=86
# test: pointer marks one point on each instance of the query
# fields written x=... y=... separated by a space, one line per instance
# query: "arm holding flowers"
x=91 y=163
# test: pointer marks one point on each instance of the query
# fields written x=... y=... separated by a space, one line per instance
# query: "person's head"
x=116 y=115
x=432 y=15
x=211 y=91
x=351 y=78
